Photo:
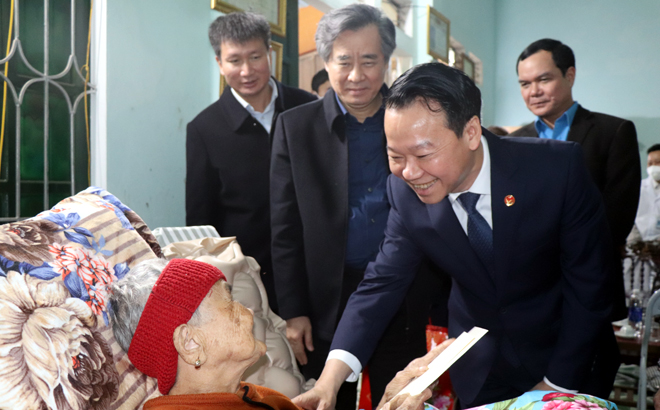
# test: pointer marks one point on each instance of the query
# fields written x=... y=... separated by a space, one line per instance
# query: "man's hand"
x=324 y=394
x=299 y=333
x=542 y=386
x=414 y=369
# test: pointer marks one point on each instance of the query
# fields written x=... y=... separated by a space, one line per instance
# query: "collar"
x=481 y=185
x=248 y=106
x=566 y=118
x=654 y=183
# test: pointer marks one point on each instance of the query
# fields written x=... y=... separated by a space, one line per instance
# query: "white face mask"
x=654 y=172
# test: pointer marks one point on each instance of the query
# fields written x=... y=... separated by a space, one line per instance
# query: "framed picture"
x=438 y=35
x=468 y=66
x=276 y=50
x=273 y=10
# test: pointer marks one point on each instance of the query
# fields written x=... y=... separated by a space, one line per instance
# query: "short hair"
x=319 y=78
x=128 y=297
x=238 y=27
x=438 y=84
x=562 y=55
x=354 y=17
x=654 y=147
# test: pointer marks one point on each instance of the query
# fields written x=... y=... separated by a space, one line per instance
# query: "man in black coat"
x=546 y=73
x=228 y=144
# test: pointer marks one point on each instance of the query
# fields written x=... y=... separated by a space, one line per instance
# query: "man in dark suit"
x=519 y=226
x=228 y=144
x=546 y=73
x=328 y=201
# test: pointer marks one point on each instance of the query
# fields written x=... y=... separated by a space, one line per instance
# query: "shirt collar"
x=566 y=119
x=248 y=106
x=481 y=185
x=654 y=183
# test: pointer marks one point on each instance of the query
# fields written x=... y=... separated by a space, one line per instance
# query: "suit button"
x=373 y=221
x=370 y=190
x=254 y=124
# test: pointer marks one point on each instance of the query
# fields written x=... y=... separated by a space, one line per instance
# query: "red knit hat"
x=174 y=298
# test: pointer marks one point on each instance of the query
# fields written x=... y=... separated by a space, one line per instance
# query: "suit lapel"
x=505 y=181
x=581 y=125
x=235 y=113
x=452 y=234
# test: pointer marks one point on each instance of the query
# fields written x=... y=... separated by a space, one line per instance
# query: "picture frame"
x=276 y=52
x=438 y=34
x=273 y=10
x=468 y=66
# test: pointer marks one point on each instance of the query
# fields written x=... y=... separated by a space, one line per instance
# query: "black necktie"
x=479 y=233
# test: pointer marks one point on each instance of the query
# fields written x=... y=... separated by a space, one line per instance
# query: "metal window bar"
x=48 y=80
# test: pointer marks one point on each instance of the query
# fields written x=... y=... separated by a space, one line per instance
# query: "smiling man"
x=546 y=73
x=328 y=202
x=228 y=144
x=517 y=224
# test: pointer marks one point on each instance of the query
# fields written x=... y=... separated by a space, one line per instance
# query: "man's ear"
x=219 y=61
x=570 y=75
x=189 y=343
x=472 y=132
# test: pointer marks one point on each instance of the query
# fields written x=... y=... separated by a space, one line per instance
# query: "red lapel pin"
x=509 y=200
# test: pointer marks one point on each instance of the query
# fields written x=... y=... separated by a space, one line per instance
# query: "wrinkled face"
x=653 y=158
x=227 y=326
x=356 y=68
x=428 y=156
x=547 y=93
x=246 y=67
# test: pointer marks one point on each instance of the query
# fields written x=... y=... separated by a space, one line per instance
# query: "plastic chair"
x=652 y=309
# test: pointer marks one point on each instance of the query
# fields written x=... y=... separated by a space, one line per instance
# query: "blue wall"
x=617 y=49
x=159 y=75
x=473 y=25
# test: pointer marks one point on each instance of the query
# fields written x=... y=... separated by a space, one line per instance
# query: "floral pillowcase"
x=56 y=348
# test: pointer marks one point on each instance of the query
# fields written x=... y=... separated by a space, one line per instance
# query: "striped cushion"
x=167 y=236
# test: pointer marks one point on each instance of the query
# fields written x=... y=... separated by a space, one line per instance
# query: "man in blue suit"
x=519 y=226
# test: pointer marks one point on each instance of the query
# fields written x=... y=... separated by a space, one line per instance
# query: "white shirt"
x=480 y=186
x=647 y=220
x=265 y=118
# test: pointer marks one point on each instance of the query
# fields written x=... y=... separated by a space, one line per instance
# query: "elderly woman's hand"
x=415 y=369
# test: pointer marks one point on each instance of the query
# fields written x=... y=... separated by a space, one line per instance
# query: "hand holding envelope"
x=410 y=388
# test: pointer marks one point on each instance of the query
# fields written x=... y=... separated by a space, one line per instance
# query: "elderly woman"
x=179 y=324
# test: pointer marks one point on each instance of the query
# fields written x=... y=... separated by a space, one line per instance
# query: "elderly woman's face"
x=227 y=326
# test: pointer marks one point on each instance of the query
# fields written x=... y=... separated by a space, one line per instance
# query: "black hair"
x=318 y=79
x=562 y=55
x=654 y=147
x=442 y=89
x=239 y=27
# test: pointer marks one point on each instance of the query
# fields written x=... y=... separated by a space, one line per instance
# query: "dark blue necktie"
x=479 y=233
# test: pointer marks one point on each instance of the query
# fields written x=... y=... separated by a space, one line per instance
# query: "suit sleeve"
x=381 y=292
x=202 y=182
x=585 y=247
x=622 y=182
x=288 y=253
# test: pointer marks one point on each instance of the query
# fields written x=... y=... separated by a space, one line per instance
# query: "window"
x=44 y=128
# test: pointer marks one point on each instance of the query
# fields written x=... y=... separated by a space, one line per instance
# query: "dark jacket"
x=612 y=157
x=541 y=303
x=227 y=168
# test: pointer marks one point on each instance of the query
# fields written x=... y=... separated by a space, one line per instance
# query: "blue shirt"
x=562 y=125
x=367 y=193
